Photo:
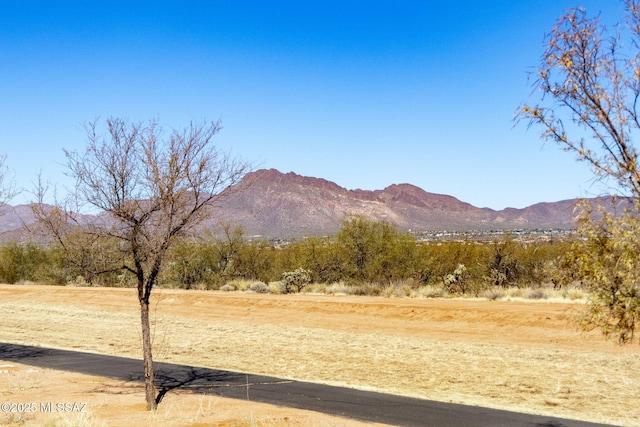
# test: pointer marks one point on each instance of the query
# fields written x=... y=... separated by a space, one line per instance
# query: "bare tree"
x=590 y=85
x=152 y=188
x=7 y=187
x=589 y=80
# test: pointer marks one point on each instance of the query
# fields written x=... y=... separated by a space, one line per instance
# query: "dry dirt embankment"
x=522 y=356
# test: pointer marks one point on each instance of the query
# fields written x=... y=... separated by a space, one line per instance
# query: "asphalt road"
x=341 y=401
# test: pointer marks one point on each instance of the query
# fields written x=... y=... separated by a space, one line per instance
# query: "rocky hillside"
x=275 y=204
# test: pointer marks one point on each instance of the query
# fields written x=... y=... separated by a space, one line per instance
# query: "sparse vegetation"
x=396 y=265
x=29 y=262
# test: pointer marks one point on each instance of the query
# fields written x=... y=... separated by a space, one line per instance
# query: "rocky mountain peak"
x=270 y=203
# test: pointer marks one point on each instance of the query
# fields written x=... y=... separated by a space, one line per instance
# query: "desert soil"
x=521 y=356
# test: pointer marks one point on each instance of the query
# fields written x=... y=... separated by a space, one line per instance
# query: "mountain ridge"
x=278 y=204
x=273 y=204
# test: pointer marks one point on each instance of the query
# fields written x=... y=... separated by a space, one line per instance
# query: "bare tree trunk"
x=149 y=374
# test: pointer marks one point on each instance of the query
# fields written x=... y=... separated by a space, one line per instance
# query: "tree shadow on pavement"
x=195 y=379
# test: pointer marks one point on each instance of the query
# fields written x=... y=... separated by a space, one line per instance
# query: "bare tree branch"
x=595 y=81
x=8 y=189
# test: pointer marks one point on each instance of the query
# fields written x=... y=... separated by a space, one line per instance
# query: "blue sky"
x=363 y=93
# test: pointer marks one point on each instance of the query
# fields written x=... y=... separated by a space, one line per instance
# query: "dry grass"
x=432 y=349
x=408 y=289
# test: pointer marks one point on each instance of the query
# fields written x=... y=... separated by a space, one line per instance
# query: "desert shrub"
x=277 y=287
x=497 y=278
x=316 y=288
x=574 y=294
x=398 y=289
x=339 y=288
x=227 y=288
x=364 y=289
x=373 y=251
x=256 y=260
x=259 y=288
x=515 y=292
x=442 y=258
x=220 y=257
x=296 y=280
x=431 y=291
x=97 y=259
x=457 y=282
x=28 y=262
x=192 y=262
x=240 y=284
x=608 y=262
x=519 y=264
x=360 y=241
x=504 y=263
x=321 y=256
x=493 y=293
x=549 y=257
x=536 y=294
x=504 y=267
x=77 y=281
x=362 y=251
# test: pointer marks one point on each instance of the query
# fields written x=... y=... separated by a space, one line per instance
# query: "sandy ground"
x=522 y=356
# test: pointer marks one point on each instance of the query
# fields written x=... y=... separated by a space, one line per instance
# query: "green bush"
x=364 y=257
x=373 y=251
x=29 y=262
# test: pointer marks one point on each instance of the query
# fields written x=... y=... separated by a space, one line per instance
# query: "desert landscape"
x=147 y=235
x=514 y=355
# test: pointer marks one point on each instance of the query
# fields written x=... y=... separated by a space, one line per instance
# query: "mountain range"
x=273 y=204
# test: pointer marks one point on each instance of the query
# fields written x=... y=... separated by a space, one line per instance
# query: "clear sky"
x=363 y=93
